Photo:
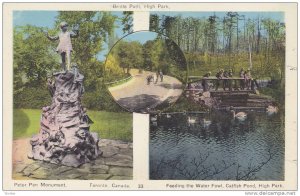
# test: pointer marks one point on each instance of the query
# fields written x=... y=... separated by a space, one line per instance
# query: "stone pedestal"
x=64 y=137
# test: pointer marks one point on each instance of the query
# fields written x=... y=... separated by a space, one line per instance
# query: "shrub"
x=31 y=97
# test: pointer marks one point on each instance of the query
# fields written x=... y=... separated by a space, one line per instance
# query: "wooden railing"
x=237 y=84
x=192 y=79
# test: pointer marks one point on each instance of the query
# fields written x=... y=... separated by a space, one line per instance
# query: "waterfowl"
x=206 y=123
x=153 y=118
x=154 y=123
x=240 y=115
x=191 y=120
x=271 y=110
x=168 y=115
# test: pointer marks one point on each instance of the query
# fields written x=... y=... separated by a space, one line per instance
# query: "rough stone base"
x=115 y=164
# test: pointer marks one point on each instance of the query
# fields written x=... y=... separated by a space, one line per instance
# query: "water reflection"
x=215 y=146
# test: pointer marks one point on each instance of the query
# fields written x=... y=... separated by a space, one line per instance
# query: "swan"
x=191 y=120
x=168 y=115
x=240 y=115
x=271 y=110
x=153 y=118
x=206 y=123
x=154 y=123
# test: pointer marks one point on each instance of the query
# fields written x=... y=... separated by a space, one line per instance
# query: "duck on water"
x=241 y=116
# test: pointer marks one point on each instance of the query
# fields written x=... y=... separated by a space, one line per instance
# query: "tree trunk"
x=250 y=53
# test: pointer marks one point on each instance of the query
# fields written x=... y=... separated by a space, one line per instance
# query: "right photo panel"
x=229 y=124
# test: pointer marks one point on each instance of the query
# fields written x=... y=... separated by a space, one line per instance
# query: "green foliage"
x=262 y=68
x=176 y=63
x=112 y=68
x=154 y=55
x=164 y=54
x=233 y=41
x=183 y=104
x=153 y=50
x=100 y=100
x=129 y=55
x=276 y=92
x=35 y=57
x=149 y=63
x=127 y=21
x=154 y=23
x=157 y=54
x=32 y=97
x=109 y=125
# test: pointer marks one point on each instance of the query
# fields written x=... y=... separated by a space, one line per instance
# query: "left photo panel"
x=66 y=125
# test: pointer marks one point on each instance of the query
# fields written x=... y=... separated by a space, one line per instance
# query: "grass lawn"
x=110 y=125
x=122 y=81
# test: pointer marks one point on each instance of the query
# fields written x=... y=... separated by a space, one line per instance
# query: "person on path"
x=157 y=76
x=161 y=75
x=149 y=79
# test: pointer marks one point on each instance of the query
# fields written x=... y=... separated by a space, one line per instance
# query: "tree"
x=34 y=57
x=210 y=38
x=147 y=47
x=127 y=21
x=33 y=60
x=111 y=68
x=212 y=33
x=154 y=23
x=129 y=55
x=152 y=50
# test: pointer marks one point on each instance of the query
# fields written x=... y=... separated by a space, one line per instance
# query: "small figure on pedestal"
x=64 y=47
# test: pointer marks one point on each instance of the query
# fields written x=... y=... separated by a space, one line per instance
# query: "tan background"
x=141 y=124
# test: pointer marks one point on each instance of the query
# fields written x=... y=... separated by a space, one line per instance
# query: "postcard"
x=150 y=96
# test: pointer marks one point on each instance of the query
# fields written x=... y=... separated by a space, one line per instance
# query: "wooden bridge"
x=237 y=96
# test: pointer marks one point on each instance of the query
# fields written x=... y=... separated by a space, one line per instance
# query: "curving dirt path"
x=138 y=96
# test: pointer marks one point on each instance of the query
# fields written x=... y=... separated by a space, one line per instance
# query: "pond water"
x=215 y=146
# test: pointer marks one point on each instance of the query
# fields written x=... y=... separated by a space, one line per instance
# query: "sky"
x=36 y=18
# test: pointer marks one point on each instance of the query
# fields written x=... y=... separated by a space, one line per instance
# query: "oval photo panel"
x=145 y=72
